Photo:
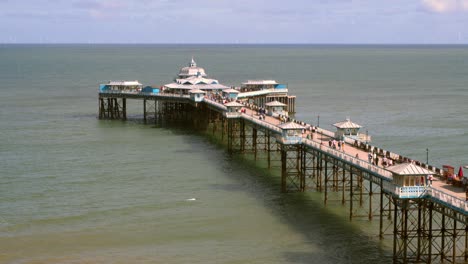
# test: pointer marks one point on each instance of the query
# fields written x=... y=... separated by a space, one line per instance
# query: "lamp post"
x=318 y=120
x=427 y=156
x=367 y=135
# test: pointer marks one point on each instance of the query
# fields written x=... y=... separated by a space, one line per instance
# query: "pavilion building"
x=261 y=92
x=193 y=77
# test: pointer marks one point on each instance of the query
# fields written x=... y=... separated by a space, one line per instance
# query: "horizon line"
x=240 y=44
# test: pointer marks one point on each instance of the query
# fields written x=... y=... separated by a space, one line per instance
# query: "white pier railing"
x=262 y=123
x=339 y=154
x=447 y=199
x=135 y=93
x=215 y=104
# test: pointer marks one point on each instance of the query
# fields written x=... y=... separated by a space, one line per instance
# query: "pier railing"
x=411 y=191
x=400 y=191
x=262 y=92
x=262 y=123
x=447 y=199
x=387 y=175
x=118 y=92
x=143 y=94
x=215 y=104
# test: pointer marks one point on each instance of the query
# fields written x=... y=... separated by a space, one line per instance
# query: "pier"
x=428 y=223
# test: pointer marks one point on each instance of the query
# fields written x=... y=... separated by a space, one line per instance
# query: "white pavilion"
x=193 y=77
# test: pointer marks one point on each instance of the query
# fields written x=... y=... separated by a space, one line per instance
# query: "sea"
x=76 y=189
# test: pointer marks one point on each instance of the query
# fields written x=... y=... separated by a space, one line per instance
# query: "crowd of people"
x=308 y=132
x=374 y=159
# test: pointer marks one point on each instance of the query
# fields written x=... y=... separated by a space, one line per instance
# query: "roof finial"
x=192 y=63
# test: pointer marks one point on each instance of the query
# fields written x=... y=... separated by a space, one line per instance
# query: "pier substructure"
x=112 y=108
x=215 y=121
x=342 y=182
x=198 y=115
x=292 y=177
x=311 y=169
x=428 y=232
x=161 y=111
x=263 y=145
x=365 y=198
x=234 y=127
x=246 y=137
x=152 y=109
x=385 y=216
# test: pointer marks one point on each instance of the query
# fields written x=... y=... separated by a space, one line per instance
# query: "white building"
x=346 y=128
x=121 y=86
x=193 y=77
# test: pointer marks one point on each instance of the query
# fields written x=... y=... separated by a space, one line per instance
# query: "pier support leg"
x=124 y=108
x=102 y=109
x=268 y=150
x=254 y=142
x=351 y=193
x=343 y=187
x=144 y=111
x=326 y=184
x=291 y=168
x=112 y=108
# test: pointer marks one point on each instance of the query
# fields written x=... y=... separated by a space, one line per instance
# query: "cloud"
x=446 y=6
x=464 y=4
x=99 y=4
x=100 y=9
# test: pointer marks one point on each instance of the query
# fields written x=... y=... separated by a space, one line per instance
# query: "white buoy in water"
x=191 y=199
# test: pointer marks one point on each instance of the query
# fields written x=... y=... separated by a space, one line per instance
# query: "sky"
x=235 y=21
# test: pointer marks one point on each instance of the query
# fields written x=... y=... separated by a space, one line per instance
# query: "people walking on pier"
x=429 y=180
x=384 y=161
x=369 y=157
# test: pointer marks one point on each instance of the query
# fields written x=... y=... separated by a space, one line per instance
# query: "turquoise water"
x=74 y=189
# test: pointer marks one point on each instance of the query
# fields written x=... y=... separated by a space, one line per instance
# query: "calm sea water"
x=74 y=189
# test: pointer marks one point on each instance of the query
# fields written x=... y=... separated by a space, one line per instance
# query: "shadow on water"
x=337 y=239
x=332 y=237
x=328 y=236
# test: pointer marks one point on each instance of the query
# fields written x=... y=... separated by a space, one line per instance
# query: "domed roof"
x=192 y=70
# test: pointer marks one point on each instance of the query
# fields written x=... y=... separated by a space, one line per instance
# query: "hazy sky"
x=234 y=21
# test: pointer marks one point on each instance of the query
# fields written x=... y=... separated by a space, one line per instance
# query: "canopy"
x=409 y=169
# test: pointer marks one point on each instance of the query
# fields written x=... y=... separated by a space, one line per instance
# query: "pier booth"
x=291 y=133
x=276 y=108
x=150 y=89
x=233 y=109
x=410 y=180
x=197 y=95
x=230 y=94
x=347 y=128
